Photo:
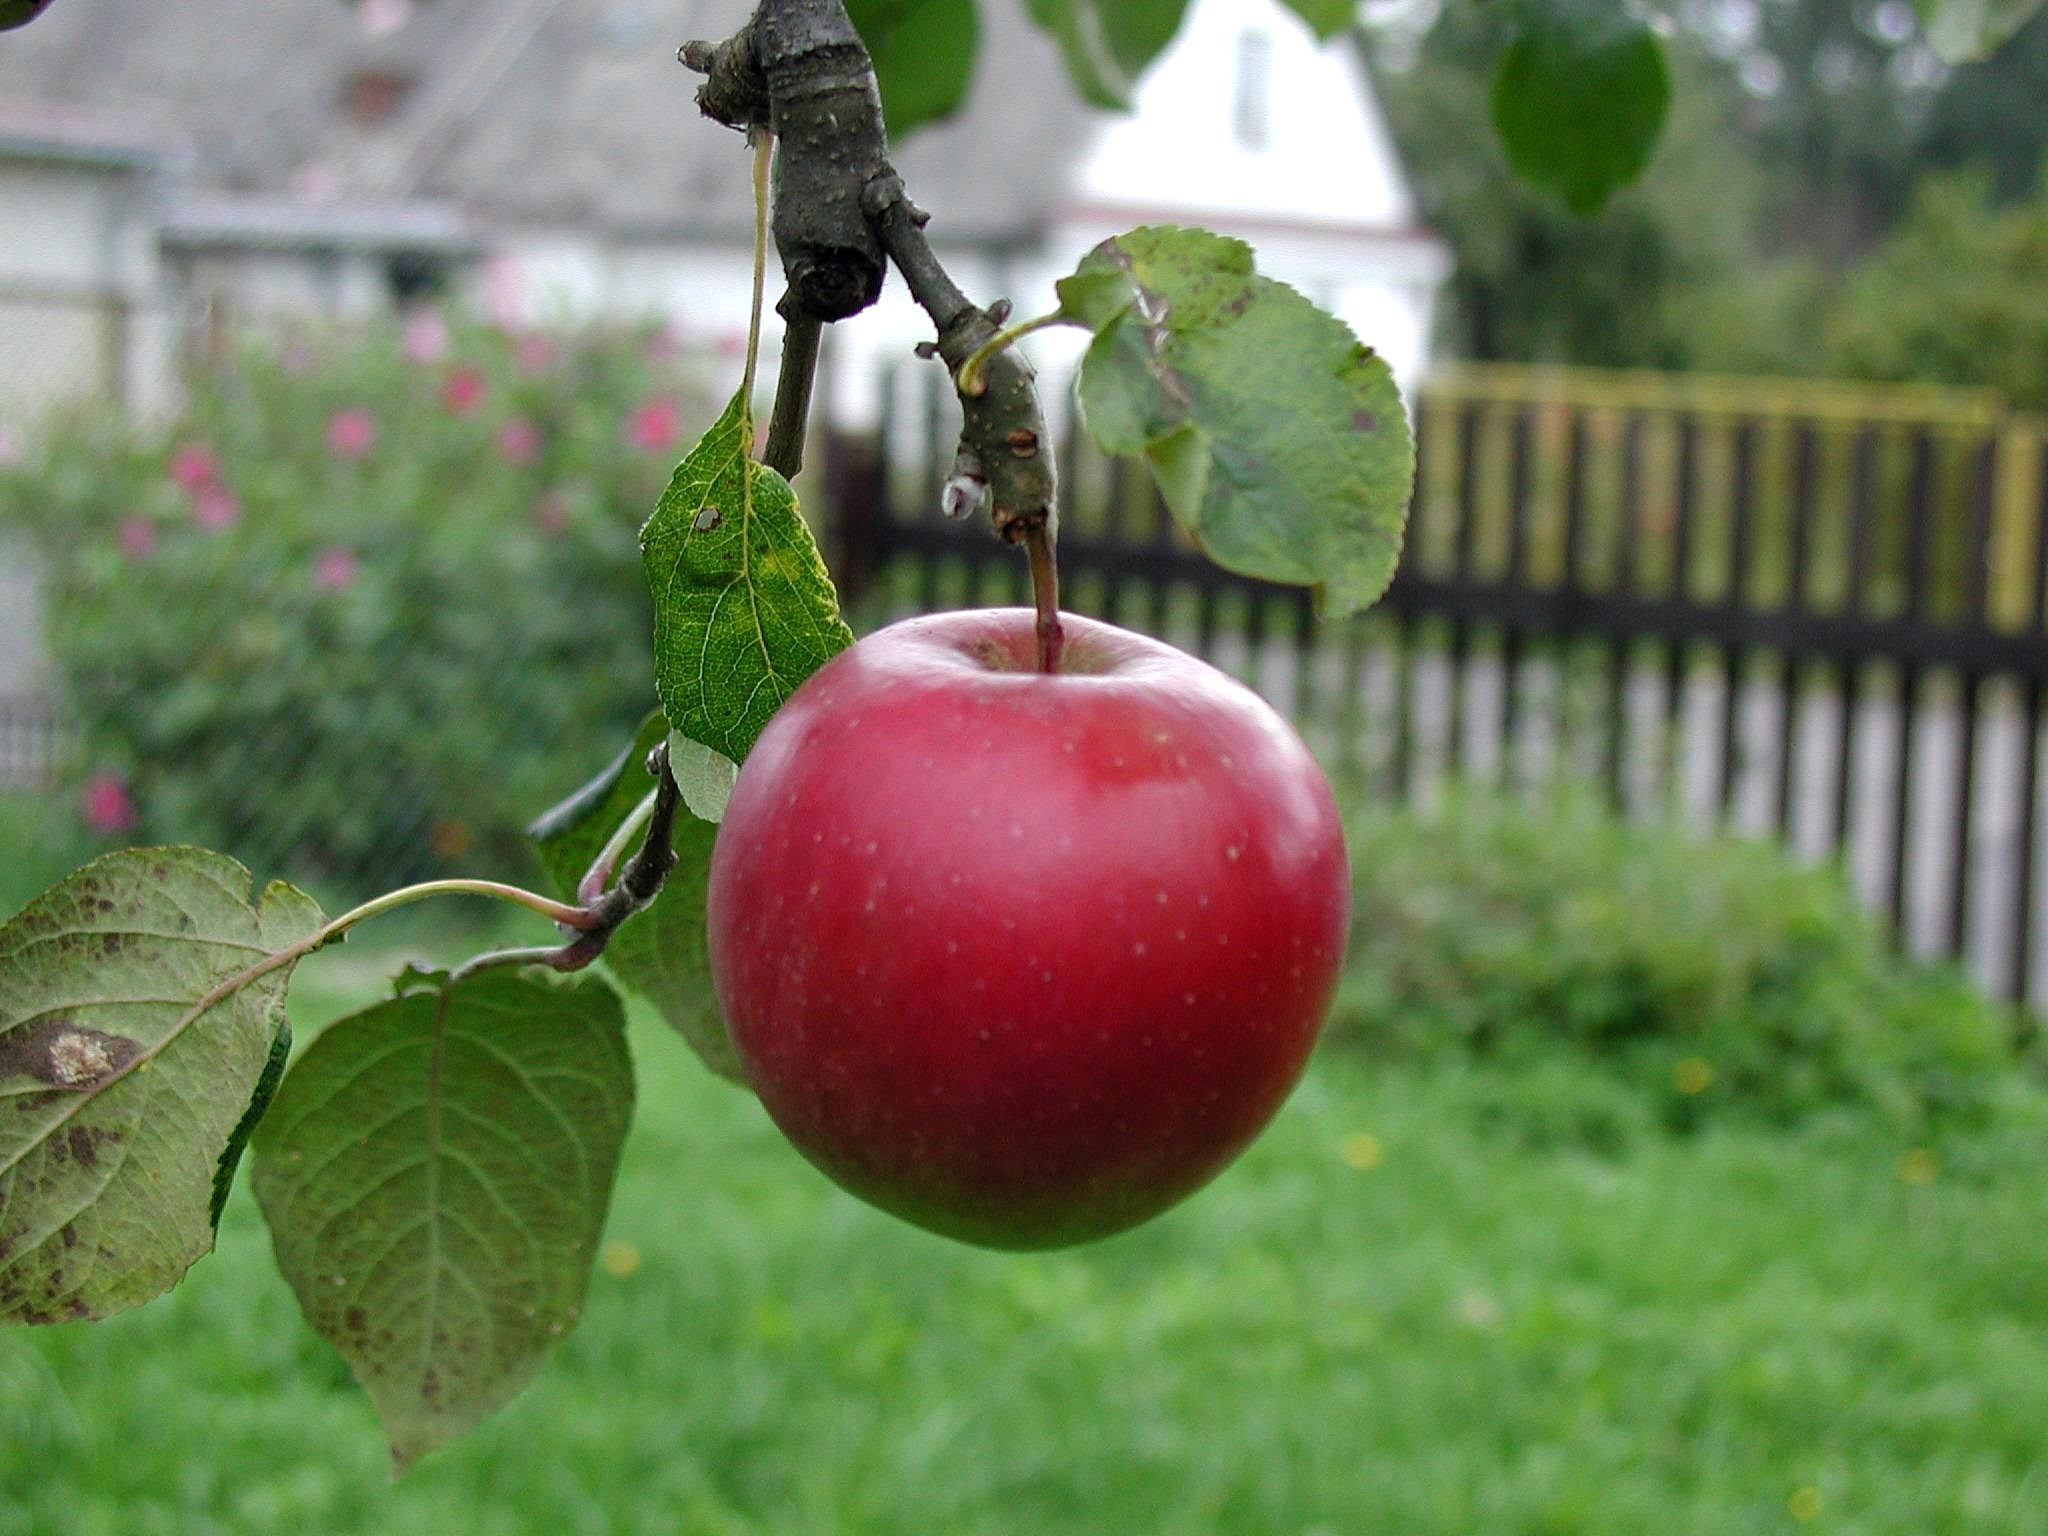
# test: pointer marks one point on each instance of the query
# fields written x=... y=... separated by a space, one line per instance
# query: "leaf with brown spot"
x=129 y=1099
x=435 y=1173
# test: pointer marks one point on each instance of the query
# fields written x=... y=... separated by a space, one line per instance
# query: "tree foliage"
x=1957 y=296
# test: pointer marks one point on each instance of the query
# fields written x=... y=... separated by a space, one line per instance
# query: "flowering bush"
x=368 y=604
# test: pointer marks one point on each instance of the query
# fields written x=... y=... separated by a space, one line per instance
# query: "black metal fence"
x=1813 y=612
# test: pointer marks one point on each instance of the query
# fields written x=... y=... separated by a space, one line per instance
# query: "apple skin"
x=1025 y=958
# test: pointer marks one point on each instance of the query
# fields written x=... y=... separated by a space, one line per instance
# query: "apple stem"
x=1045 y=592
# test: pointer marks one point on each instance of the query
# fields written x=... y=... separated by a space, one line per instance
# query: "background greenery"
x=1486 y=1273
x=1827 y=199
x=1712 y=976
x=397 y=571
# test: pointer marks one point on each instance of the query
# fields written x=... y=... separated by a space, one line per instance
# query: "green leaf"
x=125 y=1095
x=1962 y=30
x=435 y=1173
x=1138 y=31
x=923 y=52
x=743 y=609
x=1107 y=44
x=1278 y=441
x=1326 y=17
x=660 y=951
x=1580 y=97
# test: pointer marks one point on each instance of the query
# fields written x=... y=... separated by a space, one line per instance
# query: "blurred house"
x=169 y=170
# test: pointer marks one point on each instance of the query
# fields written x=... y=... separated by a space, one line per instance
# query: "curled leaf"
x=1279 y=442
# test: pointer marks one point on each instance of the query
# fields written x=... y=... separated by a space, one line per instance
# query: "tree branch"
x=840 y=208
x=604 y=910
x=791 y=415
x=1005 y=453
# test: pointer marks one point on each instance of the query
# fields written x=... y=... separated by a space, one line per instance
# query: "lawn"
x=1421 y=1304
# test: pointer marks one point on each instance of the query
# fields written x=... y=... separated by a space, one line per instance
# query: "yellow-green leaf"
x=743 y=608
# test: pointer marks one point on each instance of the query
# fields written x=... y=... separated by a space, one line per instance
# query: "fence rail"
x=1818 y=612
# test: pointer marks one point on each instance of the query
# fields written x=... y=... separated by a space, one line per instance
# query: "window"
x=1250 y=108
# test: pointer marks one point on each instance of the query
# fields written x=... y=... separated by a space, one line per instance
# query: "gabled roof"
x=520 y=111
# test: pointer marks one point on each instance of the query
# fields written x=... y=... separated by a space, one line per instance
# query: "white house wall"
x=1322 y=200
x=81 y=305
x=1326 y=157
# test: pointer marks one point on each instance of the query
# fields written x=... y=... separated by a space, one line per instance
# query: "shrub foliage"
x=348 y=614
x=1717 y=973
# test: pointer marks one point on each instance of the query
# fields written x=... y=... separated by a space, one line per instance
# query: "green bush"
x=1956 y=295
x=1715 y=973
x=41 y=840
x=371 y=602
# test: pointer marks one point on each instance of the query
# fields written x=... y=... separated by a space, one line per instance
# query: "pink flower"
x=654 y=425
x=194 y=466
x=504 y=290
x=351 y=433
x=534 y=354
x=214 y=507
x=106 y=805
x=426 y=336
x=551 y=513
x=518 y=440
x=335 y=568
x=463 y=391
x=137 y=536
x=663 y=344
x=732 y=344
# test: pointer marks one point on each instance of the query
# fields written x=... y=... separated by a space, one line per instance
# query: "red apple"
x=1023 y=957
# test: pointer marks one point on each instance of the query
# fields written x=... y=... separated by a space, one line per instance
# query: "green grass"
x=1488 y=1332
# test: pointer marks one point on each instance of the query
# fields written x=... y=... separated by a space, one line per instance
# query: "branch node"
x=734 y=92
